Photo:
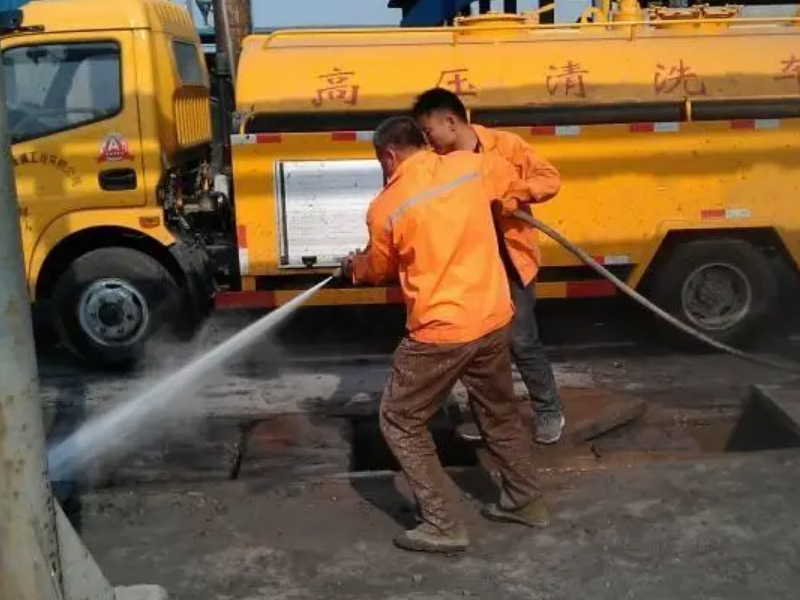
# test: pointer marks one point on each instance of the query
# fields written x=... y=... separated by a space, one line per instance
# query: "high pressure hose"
x=790 y=367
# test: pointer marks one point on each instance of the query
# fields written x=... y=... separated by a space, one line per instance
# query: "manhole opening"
x=754 y=427
x=371 y=453
x=758 y=428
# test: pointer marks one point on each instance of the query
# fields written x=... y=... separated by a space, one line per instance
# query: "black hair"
x=401 y=132
x=439 y=99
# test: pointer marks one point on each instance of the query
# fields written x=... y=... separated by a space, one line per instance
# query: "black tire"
x=109 y=301
x=725 y=288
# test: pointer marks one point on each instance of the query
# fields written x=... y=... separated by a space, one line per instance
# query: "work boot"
x=533 y=514
x=549 y=427
x=427 y=538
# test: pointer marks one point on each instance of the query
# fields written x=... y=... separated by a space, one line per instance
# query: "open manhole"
x=770 y=420
x=371 y=453
x=760 y=423
x=288 y=447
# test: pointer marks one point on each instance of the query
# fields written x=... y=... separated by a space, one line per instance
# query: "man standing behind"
x=443 y=118
x=431 y=227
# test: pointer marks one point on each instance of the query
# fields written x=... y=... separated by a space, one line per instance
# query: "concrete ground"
x=723 y=527
x=256 y=488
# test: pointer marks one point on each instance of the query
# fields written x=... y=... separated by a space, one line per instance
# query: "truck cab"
x=110 y=130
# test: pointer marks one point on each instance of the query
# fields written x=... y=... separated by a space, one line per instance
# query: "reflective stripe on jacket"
x=431 y=228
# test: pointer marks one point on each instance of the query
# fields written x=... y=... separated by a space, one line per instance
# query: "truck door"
x=74 y=127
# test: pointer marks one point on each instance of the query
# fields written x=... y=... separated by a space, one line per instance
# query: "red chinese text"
x=457 y=81
x=566 y=80
x=678 y=78
x=790 y=69
x=338 y=87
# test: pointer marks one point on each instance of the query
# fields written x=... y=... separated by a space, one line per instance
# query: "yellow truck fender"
x=144 y=221
x=665 y=228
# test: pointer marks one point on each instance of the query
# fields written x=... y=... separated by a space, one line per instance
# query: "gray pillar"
x=41 y=556
x=227 y=41
x=29 y=558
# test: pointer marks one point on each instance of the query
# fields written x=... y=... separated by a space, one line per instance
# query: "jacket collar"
x=485 y=137
x=406 y=165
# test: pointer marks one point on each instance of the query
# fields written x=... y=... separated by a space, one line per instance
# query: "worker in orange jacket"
x=431 y=228
x=443 y=118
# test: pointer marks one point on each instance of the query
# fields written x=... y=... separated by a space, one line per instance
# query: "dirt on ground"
x=277 y=485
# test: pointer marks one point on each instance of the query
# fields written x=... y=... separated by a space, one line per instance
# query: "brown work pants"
x=422 y=376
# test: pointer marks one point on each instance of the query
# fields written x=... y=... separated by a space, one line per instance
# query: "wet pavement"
x=276 y=484
x=719 y=527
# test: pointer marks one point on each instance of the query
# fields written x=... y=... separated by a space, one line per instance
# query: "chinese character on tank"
x=337 y=87
x=678 y=78
x=566 y=80
x=790 y=69
x=457 y=81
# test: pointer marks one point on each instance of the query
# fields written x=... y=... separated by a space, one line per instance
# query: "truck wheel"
x=727 y=289
x=109 y=301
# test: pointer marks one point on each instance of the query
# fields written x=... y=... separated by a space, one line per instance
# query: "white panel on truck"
x=323 y=208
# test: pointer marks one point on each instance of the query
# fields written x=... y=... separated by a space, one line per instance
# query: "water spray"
x=118 y=424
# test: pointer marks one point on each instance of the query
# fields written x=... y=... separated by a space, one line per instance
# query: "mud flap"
x=199 y=277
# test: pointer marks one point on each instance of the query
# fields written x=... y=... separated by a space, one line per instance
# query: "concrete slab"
x=140 y=592
x=591 y=412
x=81 y=577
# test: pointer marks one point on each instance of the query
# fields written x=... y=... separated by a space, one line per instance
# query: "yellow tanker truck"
x=676 y=131
x=108 y=113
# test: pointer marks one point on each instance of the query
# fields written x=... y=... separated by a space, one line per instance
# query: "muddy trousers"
x=422 y=376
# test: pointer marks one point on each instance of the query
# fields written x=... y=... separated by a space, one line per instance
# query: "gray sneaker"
x=549 y=427
x=469 y=432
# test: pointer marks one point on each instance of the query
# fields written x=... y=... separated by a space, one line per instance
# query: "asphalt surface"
x=252 y=486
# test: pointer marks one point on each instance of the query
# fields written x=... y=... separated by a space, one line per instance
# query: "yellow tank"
x=676 y=134
x=510 y=62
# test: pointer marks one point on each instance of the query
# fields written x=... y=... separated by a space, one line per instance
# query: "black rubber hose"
x=625 y=289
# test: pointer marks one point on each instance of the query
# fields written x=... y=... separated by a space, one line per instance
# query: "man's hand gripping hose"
x=768 y=362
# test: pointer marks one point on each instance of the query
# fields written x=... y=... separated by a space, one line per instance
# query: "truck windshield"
x=54 y=87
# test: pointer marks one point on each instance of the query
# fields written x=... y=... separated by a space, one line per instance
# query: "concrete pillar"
x=29 y=559
x=41 y=556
